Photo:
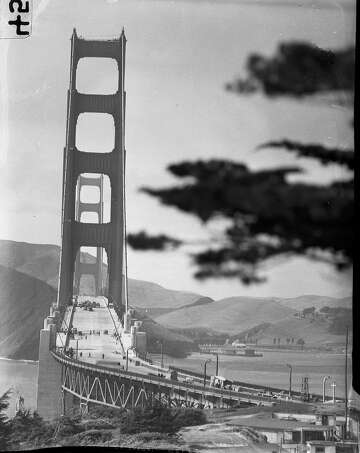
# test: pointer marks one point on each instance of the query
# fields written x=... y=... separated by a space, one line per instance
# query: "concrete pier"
x=49 y=394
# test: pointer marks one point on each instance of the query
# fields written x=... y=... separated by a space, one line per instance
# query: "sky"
x=179 y=56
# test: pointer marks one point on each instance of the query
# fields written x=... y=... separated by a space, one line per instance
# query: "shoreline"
x=30 y=362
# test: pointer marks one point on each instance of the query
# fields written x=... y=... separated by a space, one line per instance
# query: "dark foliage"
x=298 y=69
x=90 y=437
x=4 y=426
x=28 y=427
x=340 y=318
x=308 y=311
x=269 y=215
x=319 y=152
x=97 y=412
x=28 y=430
x=173 y=344
x=145 y=241
x=202 y=335
x=160 y=419
x=250 y=333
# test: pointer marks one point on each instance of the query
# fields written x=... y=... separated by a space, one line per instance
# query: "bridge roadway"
x=96 y=371
x=96 y=340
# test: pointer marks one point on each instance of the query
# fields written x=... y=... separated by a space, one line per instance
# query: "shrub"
x=103 y=423
x=90 y=437
x=29 y=427
x=160 y=419
x=4 y=427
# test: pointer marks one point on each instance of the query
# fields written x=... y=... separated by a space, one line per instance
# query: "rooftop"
x=275 y=424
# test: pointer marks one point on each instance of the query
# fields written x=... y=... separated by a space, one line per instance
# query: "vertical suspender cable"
x=124 y=166
x=125 y=245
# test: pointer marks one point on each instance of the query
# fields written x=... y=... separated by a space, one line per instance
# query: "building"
x=320 y=447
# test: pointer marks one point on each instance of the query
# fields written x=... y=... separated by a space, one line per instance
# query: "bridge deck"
x=93 y=345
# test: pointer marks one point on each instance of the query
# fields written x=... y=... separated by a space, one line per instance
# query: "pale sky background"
x=179 y=56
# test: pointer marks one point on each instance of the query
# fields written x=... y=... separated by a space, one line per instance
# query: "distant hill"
x=305 y=301
x=37 y=260
x=144 y=294
x=24 y=303
x=231 y=315
x=42 y=262
x=261 y=320
x=314 y=332
x=28 y=283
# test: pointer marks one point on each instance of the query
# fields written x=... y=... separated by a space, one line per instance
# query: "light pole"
x=127 y=357
x=325 y=378
x=217 y=363
x=162 y=353
x=205 y=363
x=333 y=385
x=290 y=377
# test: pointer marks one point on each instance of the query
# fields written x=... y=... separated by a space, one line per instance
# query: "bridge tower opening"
x=76 y=233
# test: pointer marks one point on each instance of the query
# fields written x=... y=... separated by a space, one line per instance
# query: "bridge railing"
x=159 y=381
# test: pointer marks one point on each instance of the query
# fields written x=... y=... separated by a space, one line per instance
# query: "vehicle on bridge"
x=220 y=382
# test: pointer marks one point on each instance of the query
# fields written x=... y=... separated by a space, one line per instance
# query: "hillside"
x=263 y=320
x=305 y=301
x=312 y=331
x=288 y=331
x=37 y=260
x=231 y=315
x=28 y=288
x=144 y=294
x=42 y=262
x=24 y=303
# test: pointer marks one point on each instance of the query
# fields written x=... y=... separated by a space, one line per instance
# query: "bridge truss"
x=93 y=384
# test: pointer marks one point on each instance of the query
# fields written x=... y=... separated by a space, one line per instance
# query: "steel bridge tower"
x=84 y=268
x=76 y=234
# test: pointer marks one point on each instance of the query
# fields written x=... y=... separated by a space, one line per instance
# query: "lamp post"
x=162 y=353
x=217 y=364
x=333 y=385
x=205 y=364
x=290 y=377
x=127 y=357
x=325 y=378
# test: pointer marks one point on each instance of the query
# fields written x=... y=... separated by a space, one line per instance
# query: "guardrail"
x=245 y=385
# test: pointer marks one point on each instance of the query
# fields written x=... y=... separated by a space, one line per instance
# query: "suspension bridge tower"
x=76 y=234
x=77 y=165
